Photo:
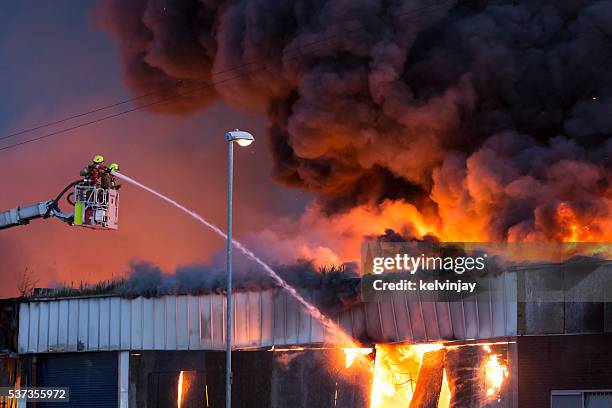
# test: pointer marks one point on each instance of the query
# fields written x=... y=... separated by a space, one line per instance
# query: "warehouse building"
x=134 y=352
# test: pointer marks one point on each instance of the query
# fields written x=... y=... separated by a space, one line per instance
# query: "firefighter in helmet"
x=94 y=171
x=108 y=180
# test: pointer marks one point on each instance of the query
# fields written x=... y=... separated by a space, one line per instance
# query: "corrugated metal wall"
x=261 y=320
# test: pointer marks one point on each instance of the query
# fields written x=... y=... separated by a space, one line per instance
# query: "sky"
x=54 y=62
x=418 y=128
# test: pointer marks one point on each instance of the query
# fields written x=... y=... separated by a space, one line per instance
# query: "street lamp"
x=243 y=139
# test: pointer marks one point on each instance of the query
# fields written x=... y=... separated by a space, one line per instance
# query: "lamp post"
x=243 y=139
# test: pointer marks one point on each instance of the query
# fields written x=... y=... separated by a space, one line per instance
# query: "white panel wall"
x=261 y=320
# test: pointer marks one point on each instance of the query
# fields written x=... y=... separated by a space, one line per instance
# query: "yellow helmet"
x=98 y=158
x=113 y=167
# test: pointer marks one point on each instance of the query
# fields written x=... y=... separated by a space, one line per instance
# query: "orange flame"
x=570 y=228
x=179 y=390
x=494 y=374
x=351 y=353
x=396 y=370
x=394 y=386
x=445 y=394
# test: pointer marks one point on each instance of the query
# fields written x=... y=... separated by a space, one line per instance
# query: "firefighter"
x=108 y=180
x=113 y=167
x=93 y=172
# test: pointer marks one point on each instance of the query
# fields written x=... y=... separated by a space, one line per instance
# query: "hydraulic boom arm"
x=45 y=209
x=23 y=215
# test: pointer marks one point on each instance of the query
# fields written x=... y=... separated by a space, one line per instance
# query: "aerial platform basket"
x=96 y=206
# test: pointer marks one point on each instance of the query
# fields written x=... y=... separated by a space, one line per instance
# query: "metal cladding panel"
x=511 y=305
x=54 y=319
x=193 y=322
x=279 y=327
x=317 y=333
x=470 y=311
x=148 y=320
x=33 y=340
x=303 y=325
x=104 y=331
x=115 y=324
x=255 y=318
x=457 y=319
x=261 y=320
x=217 y=321
x=402 y=316
x=430 y=321
x=419 y=333
x=82 y=323
x=94 y=322
x=498 y=306
x=137 y=312
x=182 y=323
x=373 y=320
x=357 y=319
x=484 y=315
x=171 y=316
x=345 y=322
x=159 y=324
x=24 y=327
x=62 y=324
x=73 y=324
x=388 y=324
x=125 y=326
x=267 y=320
x=444 y=320
x=292 y=320
x=43 y=325
x=240 y=328
x=206 y=322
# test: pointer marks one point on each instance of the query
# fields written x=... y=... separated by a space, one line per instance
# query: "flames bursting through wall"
x=492 y=118
x=437 y=375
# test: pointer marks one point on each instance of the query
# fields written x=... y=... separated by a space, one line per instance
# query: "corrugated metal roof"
x=261 y=320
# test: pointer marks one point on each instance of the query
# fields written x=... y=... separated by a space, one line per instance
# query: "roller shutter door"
x=91 y=377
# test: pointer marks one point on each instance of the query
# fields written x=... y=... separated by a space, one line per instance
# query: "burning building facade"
x=476 y=352
x=461 y=121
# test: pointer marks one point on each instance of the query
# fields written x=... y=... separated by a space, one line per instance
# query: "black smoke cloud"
x=496 y=111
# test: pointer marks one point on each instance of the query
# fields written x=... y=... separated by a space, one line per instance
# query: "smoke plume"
x=332 y=289
x=491 y=118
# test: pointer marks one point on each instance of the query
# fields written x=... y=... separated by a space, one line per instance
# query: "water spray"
x=345 y=339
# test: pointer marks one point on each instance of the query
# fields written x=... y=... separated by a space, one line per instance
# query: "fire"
x=333 y=239
x=185 y=381
x=352 y=353
x=382 y=383
x=445 y=394
x=336 y=238
x=494 y=374
x=396 y=370
x=571 y=229
x=179 y=390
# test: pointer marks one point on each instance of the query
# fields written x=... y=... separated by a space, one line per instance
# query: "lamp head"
x=239 y=136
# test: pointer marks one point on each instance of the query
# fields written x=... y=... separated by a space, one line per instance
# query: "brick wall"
x=573 y=362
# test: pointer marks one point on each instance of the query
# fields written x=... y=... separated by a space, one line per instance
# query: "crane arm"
x=44 y=209
x=23 y=215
